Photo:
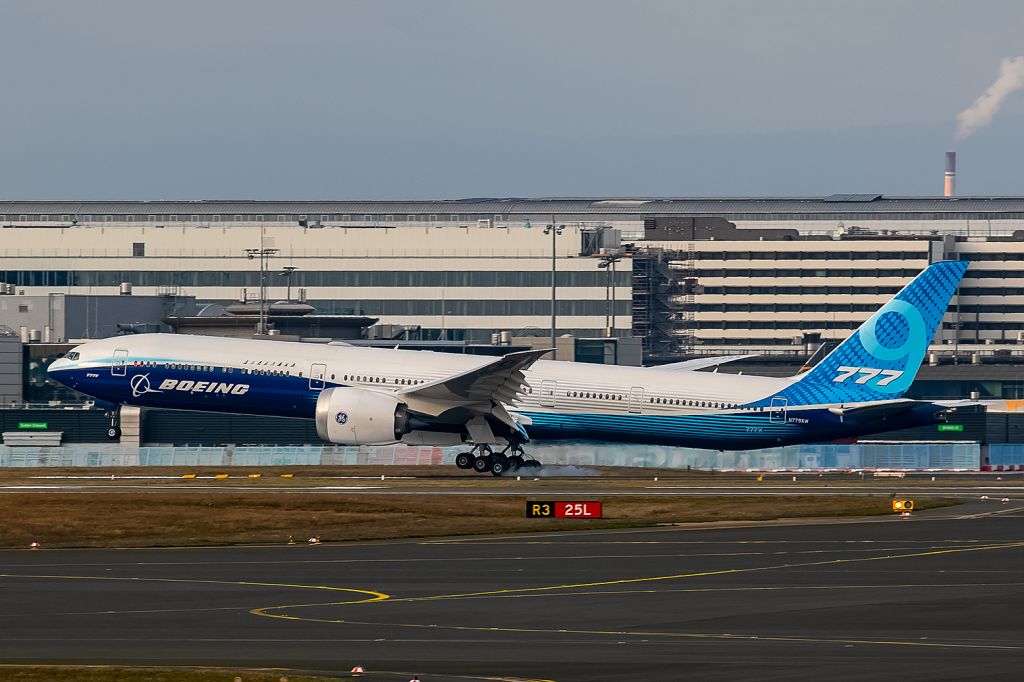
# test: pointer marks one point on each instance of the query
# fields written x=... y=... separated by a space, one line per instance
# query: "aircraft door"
x=547 y=393
x=636 y=400
x=777 y=411
x=316 y=376
x=119 y=366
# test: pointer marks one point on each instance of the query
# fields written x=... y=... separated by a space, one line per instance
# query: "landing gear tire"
x=114 y=430
x=532 y=464
x=515 y=463
x=482 y=464
x=465 y=460
x=499 y=465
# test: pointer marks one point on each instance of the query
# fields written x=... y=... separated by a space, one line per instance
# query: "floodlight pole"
x=288 y=270
x=612 y=268
x=554 y=229
x=554 y=284
x=608 y=265
x=264 y=256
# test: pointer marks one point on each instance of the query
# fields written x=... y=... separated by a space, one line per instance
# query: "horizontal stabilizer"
x=860 y=414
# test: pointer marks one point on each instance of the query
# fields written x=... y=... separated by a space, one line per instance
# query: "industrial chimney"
x=950 y=186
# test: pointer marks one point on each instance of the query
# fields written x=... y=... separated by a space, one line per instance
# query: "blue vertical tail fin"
x=880 y=360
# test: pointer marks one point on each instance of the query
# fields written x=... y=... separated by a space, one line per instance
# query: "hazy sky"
x=440 y=99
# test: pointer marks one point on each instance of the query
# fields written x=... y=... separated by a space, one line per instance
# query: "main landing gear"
x=482 y=459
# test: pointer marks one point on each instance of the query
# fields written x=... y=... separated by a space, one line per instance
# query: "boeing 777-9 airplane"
x=371 y=396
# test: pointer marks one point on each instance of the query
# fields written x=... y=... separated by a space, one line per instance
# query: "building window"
x=238 y=218
x=63 y=218
x=497 y=217
x=389 y=218
x=259 y=219
x=455 y=217
x=87 y=218
x=22 y=308
x=411 y=218
x=130 y=219
x=108 y=218
x=216 y=218
x=44 y=218
x=195 y=218
x=433 y=218
x=324 y=218
x=23 y=219
x=368 y=218
x=282 y=218
x=346 y=217
x=151 y=218
x=138 y=249
x=173 y=218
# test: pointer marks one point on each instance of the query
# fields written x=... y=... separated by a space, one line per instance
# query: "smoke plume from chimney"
x=979 y=114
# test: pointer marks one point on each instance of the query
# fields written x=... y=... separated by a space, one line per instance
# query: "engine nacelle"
x=355 y=416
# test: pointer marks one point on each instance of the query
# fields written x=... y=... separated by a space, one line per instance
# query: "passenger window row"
x=380 y=380
x=596 y=396
x=692 y=403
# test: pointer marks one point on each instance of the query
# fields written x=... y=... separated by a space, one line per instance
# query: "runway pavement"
x=602 y=487
x=938 y=596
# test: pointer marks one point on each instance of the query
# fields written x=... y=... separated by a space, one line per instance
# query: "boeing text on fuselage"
x=189 y=386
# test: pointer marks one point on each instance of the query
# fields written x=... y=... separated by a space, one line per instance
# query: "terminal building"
x=683 y=277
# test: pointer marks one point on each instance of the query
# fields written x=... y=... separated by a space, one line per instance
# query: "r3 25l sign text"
x=564 y=510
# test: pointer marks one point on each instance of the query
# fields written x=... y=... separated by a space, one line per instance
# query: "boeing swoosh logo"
x=140 y=385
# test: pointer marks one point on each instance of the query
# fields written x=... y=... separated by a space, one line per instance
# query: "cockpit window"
x=71 y=355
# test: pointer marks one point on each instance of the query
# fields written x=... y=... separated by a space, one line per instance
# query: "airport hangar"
x=680 y=276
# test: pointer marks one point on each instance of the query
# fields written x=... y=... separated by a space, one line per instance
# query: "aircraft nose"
x=57 y=366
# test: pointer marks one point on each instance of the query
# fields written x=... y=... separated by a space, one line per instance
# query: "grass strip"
x=150 y=519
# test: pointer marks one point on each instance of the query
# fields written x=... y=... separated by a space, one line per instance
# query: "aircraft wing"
x=500 y=380
x=701 y=363
x=481 y=391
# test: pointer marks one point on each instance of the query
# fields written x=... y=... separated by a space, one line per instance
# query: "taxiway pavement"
x=937 y=596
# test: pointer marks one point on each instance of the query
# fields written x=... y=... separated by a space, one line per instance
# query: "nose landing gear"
x=114 y=430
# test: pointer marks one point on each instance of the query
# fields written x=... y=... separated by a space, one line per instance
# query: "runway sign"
x=590 y=509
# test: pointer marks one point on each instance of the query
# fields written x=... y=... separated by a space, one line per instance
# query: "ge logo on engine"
x=341 y=418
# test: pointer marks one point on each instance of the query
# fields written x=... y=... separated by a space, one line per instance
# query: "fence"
x=113 y=455
x=920 y=455
x=1006 y=453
